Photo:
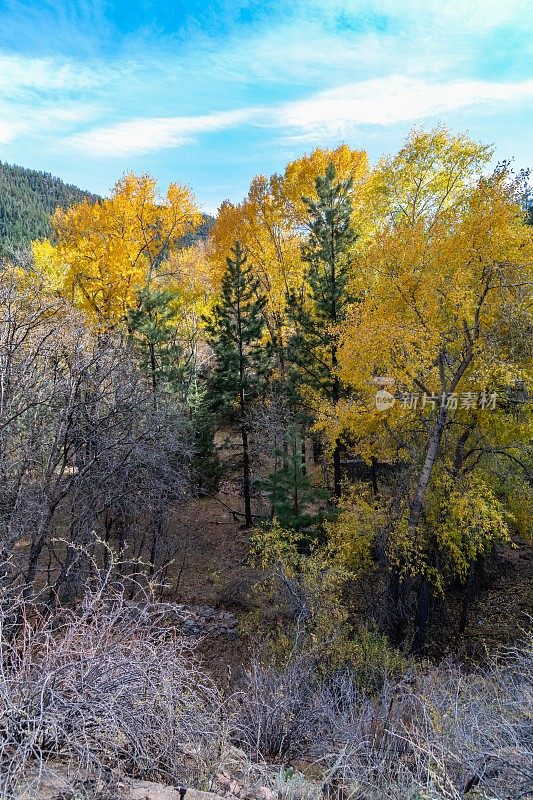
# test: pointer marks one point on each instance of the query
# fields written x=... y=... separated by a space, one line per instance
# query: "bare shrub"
x=435 y=733
x=108 y=686
x=276 y=714
x=87 y=450
x=110 y=689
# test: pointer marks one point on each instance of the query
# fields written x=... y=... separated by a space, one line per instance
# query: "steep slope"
x=27 y=198
x=201 y=233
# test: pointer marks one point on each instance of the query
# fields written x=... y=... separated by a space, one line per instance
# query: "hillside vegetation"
x=27 y=200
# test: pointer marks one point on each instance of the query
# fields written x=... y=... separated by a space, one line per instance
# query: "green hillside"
x=27 y=198
x=201 y=233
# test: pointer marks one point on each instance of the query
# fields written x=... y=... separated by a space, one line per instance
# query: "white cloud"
x=52 y=91
x=23 y=119
x=137 y=136
x=332 y=113
x=326 y=41
x=477 y=15
x=45 y=95
x=19 y=73
x=385 y=101
x=10 y=130
x=299 y=52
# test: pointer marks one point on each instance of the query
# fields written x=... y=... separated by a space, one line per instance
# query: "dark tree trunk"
x=468 y=594
x=337 y=473
x=317 y=449
x=75 y=572
x=374 y=476
x=37 y=544
x=153 y=553
x=400 y=587
x=246 y=482
x=419 y=644
x=398 y=591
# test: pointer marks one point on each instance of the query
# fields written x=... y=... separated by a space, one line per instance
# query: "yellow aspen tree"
x=449 y=265
x=261 y=224
x=269 y=224
x=112 y=248
x=299 y=179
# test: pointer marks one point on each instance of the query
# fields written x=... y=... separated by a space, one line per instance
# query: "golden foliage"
x=111 y=248
x=352 y=535
x=449 y=252
x=268 y=223
x=468 y=521
x=299 y=178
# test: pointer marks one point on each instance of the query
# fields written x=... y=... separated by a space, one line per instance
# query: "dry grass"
x=436 y=733
x=109 y=689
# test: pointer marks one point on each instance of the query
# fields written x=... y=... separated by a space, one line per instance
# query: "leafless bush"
x=110 y=689
x=276 y=714
x=436 y=733
x=86 y=449
x=107 y=687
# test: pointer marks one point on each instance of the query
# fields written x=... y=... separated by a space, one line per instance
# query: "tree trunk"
x=422 y=614
x=374 y=476
x=337 y=474
x=418 y=646
x=72 y=580
x=248 y=522
x=468 y=594
x=397 y=602
x=399 y=587
x=423 y=481
x=153 y=373
x=36 y=548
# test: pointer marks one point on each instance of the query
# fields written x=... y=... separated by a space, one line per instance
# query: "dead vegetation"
x=110 y=690
x=104 y=687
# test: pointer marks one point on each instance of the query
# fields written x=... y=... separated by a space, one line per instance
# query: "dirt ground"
x=212 y=569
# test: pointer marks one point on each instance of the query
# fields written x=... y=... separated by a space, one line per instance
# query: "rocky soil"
x=205 y=621
x=233 y=781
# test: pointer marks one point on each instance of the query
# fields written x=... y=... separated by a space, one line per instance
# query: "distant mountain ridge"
x=29 y=197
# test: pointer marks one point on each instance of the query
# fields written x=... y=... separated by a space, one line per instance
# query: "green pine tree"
x=27 y=199
x=154 y=338
x=295 y=501
x=328 y=251
x=242 y=358
x=207 y=468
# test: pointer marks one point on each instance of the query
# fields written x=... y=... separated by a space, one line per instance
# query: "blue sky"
x=212 y=93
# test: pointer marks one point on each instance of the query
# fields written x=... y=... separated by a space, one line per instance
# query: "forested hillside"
x=27 y=199
x=300 y=435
